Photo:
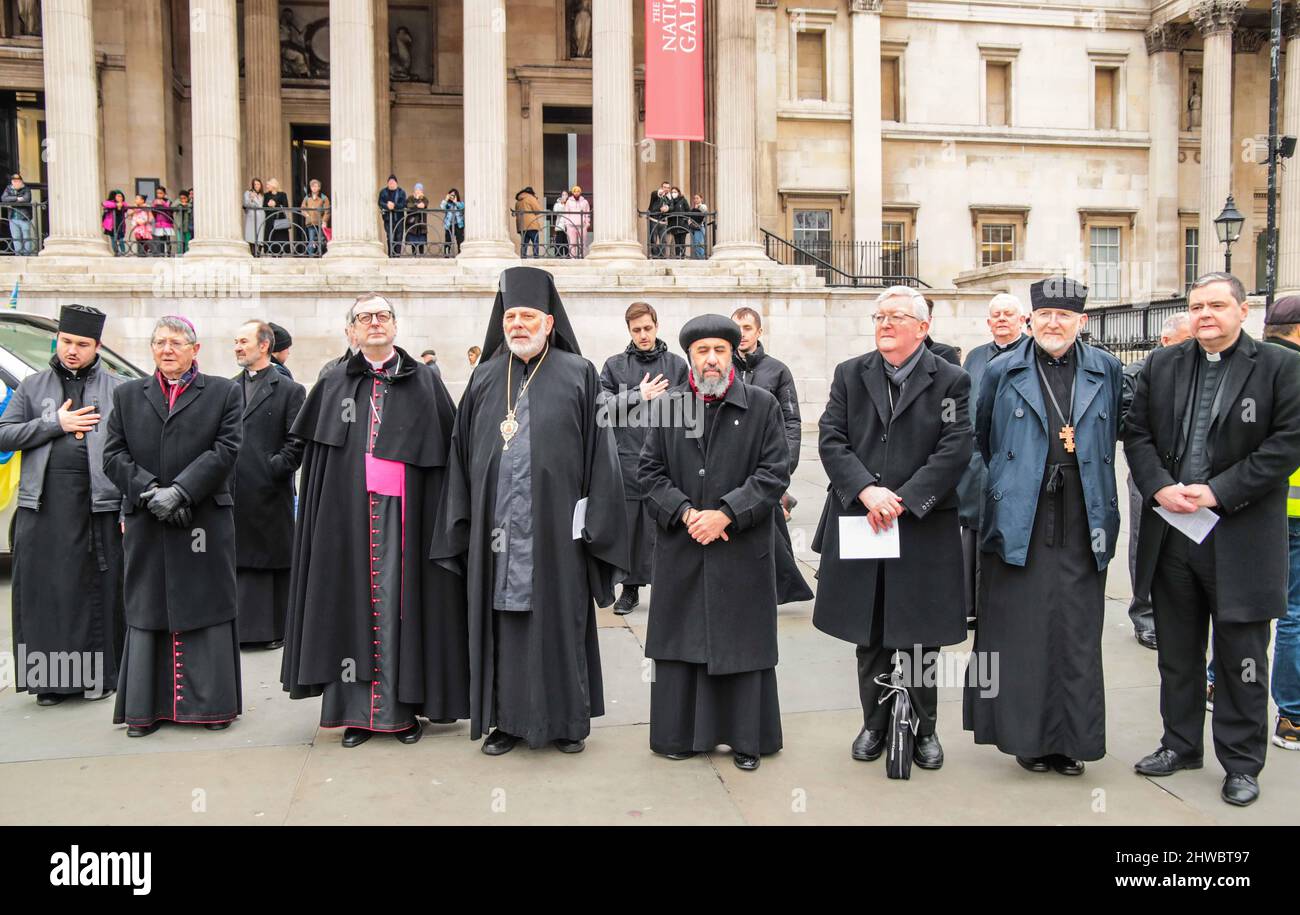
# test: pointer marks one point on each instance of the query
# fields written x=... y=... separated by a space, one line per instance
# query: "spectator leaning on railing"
x=417 y=220
x=139 y=226
x=315 y=217
x=392 y=202
x=254 y=216
x=16 y=201
x=528 y=221
x=453 y=218
x=279 y=223
x=114 y=221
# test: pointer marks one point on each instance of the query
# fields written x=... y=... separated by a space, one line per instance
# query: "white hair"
x=1006 y=298
x=920 y=310
x=1174 y=323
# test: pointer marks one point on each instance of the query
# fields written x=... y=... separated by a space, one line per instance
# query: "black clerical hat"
x=1058 y=292
x=702 y=326
x=283 y=339
x=528 y=287
x=82 y=321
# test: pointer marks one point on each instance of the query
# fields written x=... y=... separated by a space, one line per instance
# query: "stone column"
x=72 y=131
x=354 y=207
x=737 y=202
x=1288 y=224
x=1216 y=19
x=868 y=161
x=1164 y=102
x=613 y=119
x=266 y=153
x=151 y=141
x=383 y=101
x=214 y=91
x=487 y=230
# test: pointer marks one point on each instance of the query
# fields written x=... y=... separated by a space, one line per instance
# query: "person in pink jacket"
x=114 y=221
x=578 y=209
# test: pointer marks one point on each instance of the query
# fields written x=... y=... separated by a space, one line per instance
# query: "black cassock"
x=712 y=630
x=264 y=501
x=373 y=625
x=620 y=382
x=507 y=526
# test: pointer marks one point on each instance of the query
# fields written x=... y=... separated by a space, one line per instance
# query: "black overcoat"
x=1254 y=448
x=177 y=578
x=921 y=455
x=715 y=604
x=264 y=473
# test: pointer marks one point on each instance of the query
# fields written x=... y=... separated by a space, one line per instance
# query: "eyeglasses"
x=881 y=319
x=162 y=345
x=372 y=317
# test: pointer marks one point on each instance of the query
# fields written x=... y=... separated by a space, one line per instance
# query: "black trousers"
x=1185 y=599
x=875 y=659
x=1139 y=609
x=970 y=561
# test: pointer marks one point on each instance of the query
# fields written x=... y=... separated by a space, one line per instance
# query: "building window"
x=893 y=236
x=1191 y=255
x=891 y=107
x=812 y=231
x=810 y=58
x=1103 y=261
x=997 y=244
x=1105 y=91
x=997 y=93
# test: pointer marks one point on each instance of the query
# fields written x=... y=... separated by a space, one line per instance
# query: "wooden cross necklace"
x=1067 y=426
x=510 y=425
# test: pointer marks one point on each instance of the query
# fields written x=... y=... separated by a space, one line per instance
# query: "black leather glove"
x=182 y=517
x=142 y=501
x=165 y=501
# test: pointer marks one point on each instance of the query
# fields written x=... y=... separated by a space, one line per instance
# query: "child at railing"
x=140 y=226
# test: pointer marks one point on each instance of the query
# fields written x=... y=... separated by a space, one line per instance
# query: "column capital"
x=1290 y=21
x=867 y=6
x=1213 y=16
x=1172 y=36
x=1248 y=41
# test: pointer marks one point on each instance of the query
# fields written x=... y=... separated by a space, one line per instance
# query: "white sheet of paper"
x=579 y=518
x=1194 y=525
x=859 y=541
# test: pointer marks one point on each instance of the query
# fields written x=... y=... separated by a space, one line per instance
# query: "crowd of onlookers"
x=675 y=227
x=149 y=228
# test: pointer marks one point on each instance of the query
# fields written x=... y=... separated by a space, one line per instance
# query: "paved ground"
x=69 y=764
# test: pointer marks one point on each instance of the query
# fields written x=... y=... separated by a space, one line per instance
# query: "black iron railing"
x=23 y=227
x=416 y=231
x=851 y=263
x=291 y=231
x=679 y=234
x=152 y=230
x=1129 y=332
x=553 y=233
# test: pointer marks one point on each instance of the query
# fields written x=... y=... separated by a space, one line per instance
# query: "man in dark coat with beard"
x=375 y=628
x=172 y=443
x=264 y=487
x=534 y=519
x=712 y=480
x=630 y=383
x=895 y=440
x=754 y=366
x=67 y=563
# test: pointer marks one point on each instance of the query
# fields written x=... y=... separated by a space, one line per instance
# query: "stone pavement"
x=70 y=765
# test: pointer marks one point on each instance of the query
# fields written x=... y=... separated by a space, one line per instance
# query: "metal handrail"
x=555 y=237
x=162 y=241
x=31 y=221
x=662 y=226
x=402 y=232
x=291 y=231
x=784 y=251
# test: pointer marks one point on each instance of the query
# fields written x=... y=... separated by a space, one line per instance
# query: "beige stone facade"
x=1006 y=139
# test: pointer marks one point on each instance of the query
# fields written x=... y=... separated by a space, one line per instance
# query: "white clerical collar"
x=382 y=362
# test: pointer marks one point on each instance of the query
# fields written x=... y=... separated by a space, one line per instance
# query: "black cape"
x=330 y=591
x=575 y=457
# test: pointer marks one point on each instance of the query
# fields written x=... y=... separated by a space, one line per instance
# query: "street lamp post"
x=1227 y=225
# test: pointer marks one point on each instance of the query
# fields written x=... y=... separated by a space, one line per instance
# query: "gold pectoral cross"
x=1067 y=435
x=509 y=426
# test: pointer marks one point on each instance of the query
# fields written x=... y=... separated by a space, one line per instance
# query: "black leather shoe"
x=1146 y=638
x=1240 y=790
x=1033 y=763
x=90 y=697
x=627 y=601
x=1165 y=761
x=48 y=699
x=355 y=737
x=868 y=745
x=1065 y=765
x=411 y=734
x=745 y=762
x=442 y=720
x=689 y=754
x=143 y=730
x=570 y=746
x=274 y=644
x=499 y=742
x=217 y=725
x=927 y=752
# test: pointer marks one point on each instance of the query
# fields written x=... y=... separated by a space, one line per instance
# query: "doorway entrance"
x=310 y=145
x=566 y=151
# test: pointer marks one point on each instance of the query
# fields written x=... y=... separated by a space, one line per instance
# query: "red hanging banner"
x=674 y=69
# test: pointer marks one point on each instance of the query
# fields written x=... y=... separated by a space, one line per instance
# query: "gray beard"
x=711 y=387
x=531 y=348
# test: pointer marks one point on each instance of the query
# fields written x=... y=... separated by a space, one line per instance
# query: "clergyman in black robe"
x=630 y=383
x=374 y=627
x=534 y=519
x=67 y=562
x=755 y=366
x=714 y=470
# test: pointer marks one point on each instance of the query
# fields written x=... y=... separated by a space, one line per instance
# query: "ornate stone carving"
x=1172 y=36
x=1290 y=21
x=1213 y=16
x=1248 y=41
x=868 y=6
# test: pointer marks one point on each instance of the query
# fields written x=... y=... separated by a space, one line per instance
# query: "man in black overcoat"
x=713 y=475
x=895 y=440
x=264 y=487
x=1215 y=424
x=172 y=442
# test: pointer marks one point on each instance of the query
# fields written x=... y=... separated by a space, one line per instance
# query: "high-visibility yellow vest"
x=1293 y=496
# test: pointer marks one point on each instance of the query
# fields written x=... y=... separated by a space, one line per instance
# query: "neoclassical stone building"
x=973 y=146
